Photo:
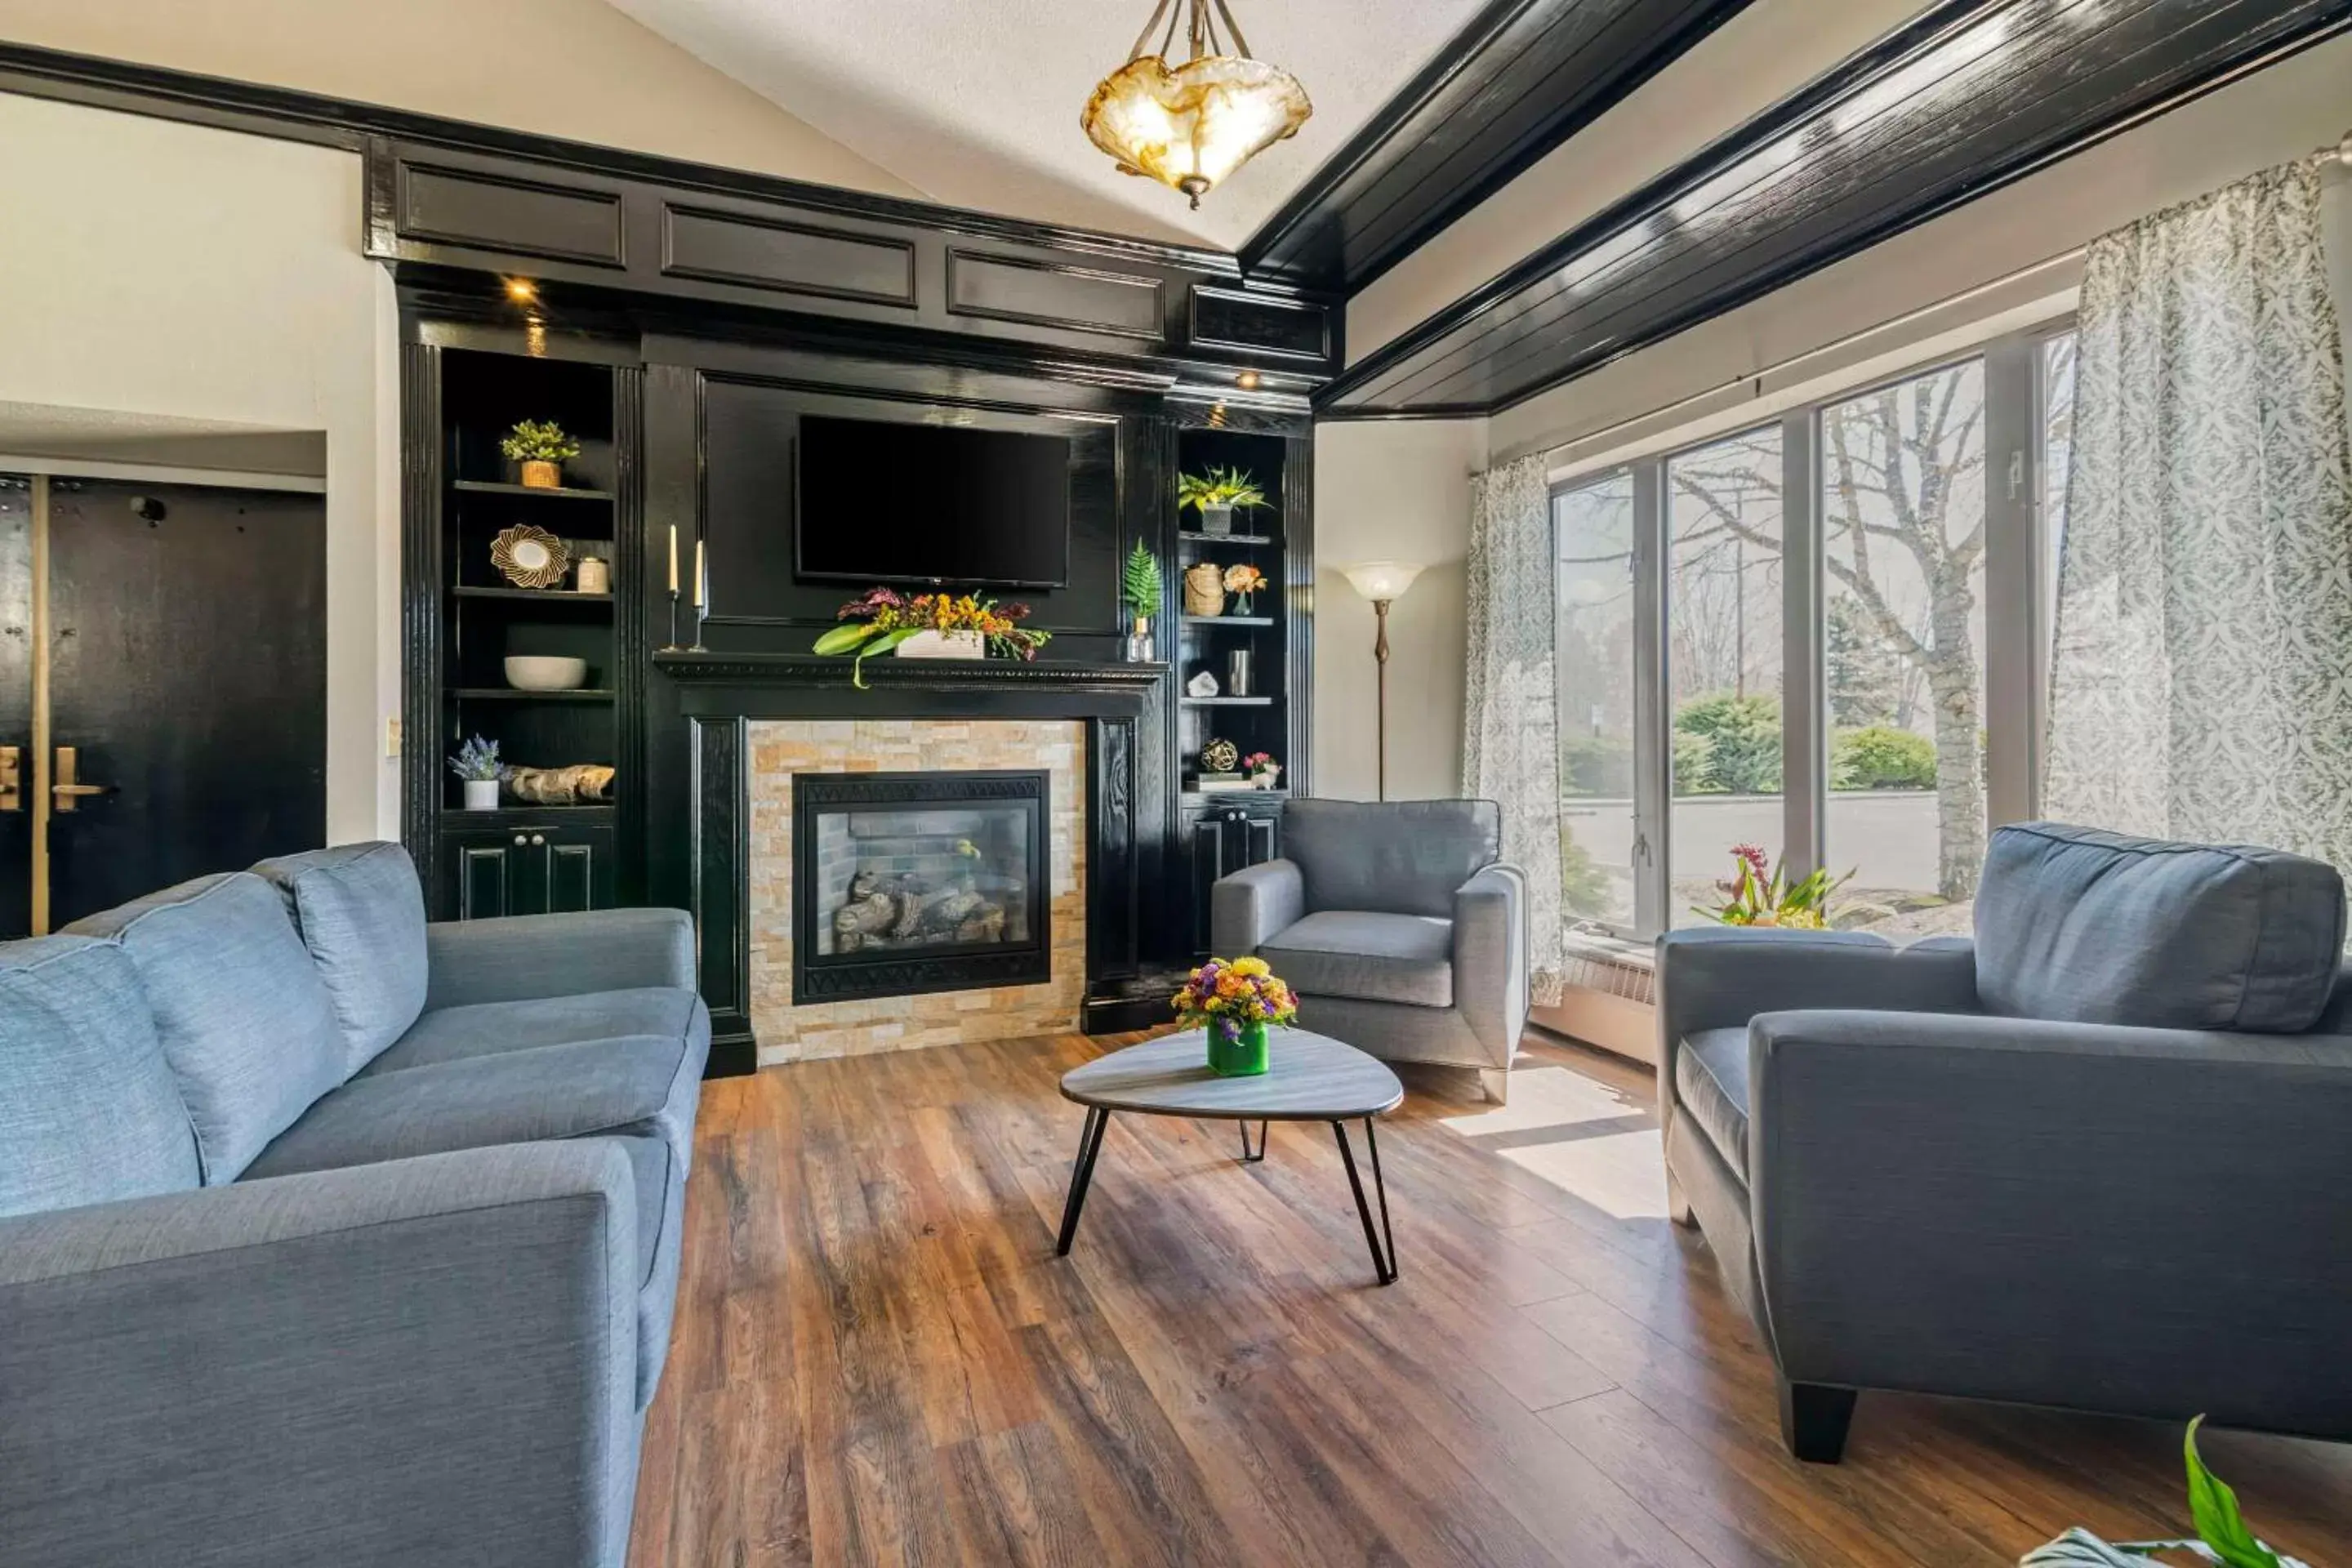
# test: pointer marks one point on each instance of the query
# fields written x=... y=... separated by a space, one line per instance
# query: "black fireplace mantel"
x=700 y=702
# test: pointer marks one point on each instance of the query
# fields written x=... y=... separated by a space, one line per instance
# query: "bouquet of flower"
x=1756 y=896
x=1244 y=578
x=879 y=620
x=1229 y=996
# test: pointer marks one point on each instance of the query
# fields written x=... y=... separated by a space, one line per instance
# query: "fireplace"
x=905 y=883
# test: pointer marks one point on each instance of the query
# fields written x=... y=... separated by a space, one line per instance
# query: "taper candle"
x=672 y=558
x=702 y=578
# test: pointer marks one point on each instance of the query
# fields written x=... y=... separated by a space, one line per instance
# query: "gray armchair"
x=1398 y=926
x=2097 y=1159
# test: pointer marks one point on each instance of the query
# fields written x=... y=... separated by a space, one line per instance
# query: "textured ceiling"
x=975 y=102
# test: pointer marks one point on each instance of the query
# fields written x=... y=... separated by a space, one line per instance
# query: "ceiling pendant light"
x=1191 y=125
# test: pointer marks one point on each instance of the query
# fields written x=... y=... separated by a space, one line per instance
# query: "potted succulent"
x=1140 y=586
x=542 y=448
x=928 y=625
x=1234 y=1000
x=1263 y=769
x=1216 y=494
x=476 y=764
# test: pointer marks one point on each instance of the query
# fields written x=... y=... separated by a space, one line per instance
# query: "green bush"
x=1599 y=766
x=1879 y=756
x=1695 y=765
x=1743 y=742
x=1584 y=885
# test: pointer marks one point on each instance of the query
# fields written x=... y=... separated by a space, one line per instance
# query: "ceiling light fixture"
x=1192 y=125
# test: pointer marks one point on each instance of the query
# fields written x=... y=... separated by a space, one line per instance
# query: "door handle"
x=12 y=778
x=66 y=789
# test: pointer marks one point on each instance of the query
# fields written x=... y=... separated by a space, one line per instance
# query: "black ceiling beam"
x=1521 y=79
x=1971 y=96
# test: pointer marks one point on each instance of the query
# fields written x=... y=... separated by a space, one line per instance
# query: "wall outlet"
x=392 y=736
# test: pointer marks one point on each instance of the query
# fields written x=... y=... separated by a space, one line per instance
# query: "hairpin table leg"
x=1249 y=1158
x=1383 y=1256
x=1081 y=1176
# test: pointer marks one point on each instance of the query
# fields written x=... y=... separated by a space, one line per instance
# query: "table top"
x=1312 y=1077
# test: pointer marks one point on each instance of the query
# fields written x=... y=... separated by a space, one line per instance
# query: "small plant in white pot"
x=542 y=448
x=477 y=765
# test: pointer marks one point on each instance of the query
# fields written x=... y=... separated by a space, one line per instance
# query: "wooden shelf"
x=1228 y=702
x=1227 y=620
x=1195 y=536
x=499 y=488
x=538 y=595
x=508 y=694
x=519 y=814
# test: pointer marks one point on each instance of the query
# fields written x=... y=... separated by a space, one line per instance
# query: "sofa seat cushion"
x=1399 y=856
x=1711 y=1085
x=360 y=910
x=1370 y=957
x=239 y=1008
x=486 y=1028
x=89 y=1111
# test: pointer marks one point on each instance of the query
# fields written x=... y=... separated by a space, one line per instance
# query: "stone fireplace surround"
x=701 y=761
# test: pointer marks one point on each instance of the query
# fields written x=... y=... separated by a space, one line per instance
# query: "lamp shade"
x=1191 y=125
x=1378 y=580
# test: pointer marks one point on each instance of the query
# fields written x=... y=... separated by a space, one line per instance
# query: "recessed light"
x=521 y=290
x=1246 y=381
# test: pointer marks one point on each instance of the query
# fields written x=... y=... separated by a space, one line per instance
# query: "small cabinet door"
x=1226 y=839
x=529 y=870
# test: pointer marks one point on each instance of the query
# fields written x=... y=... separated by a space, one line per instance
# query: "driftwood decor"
x=582 y=781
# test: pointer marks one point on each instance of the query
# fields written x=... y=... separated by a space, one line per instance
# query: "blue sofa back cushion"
x=89 y=1112
x=1396 y=858
x=360 y=910
x=239 y=1009
x=2091 y=927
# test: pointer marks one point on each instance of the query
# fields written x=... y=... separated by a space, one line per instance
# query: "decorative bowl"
x=539 y=672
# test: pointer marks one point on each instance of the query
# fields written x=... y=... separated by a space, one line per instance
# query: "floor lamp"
x=1383 y=582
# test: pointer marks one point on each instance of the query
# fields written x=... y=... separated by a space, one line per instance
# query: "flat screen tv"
x=940 y=504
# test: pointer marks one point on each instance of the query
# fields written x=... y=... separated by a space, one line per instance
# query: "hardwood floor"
x=878 y=1358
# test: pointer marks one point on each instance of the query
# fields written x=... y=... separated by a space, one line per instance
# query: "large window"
x=1782 y=638
x=1903 y=539
x=1725 y=589
x=1592 y=534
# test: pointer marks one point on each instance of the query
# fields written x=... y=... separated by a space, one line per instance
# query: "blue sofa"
x=2097 y=1158
x=327 y=1236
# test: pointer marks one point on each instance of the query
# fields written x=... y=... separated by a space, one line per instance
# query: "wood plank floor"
x=878 y=1359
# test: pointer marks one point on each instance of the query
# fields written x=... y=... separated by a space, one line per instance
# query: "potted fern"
x=541 y=447
x=1216 y=494
x=1140 y=587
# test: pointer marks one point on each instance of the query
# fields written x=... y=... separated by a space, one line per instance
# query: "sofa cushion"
x=2082 y=926
x=89 y=1112
x=361 y=911
x=485 y=1029
x=1711 y=1084
x=1372 y=957
x=241 y=1012
x=1399 y=857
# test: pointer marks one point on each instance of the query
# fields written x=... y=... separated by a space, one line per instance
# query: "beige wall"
x=1392 y=492
x=575 y=68
x=150 y=269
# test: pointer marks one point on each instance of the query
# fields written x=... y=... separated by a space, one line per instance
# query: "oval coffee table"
x=1313 y=1079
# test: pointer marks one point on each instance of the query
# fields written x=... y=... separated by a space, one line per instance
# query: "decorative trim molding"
x=798 y=670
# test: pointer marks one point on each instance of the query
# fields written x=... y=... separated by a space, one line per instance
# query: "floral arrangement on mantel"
x=1233 y=1000
x=1754 y=896
x=880 y=620
x=2223 y=1535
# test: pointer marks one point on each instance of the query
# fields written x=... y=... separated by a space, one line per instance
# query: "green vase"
x=1236 y=1050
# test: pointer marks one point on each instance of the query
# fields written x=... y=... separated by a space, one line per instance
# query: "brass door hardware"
x=11 y=785
x=66 y=789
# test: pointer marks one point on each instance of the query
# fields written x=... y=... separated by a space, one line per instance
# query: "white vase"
x=943 y=645
x=481 y=795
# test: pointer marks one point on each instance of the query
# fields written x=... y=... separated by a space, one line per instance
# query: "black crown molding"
x=1966 y=113
x=809 y=670
x=1521 y=79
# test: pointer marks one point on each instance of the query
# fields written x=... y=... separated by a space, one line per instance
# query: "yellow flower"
x=1251 y=966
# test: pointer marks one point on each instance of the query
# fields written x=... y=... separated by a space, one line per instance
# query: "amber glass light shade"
x=1193 y=125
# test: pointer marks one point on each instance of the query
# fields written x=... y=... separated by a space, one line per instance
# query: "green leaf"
x=881 y=644
x=841 y=638
x=2214 y=1508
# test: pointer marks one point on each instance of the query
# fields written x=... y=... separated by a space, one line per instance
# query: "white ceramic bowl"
x=536 y=672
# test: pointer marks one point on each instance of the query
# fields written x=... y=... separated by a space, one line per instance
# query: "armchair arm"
x=523 y=957
x=1490 y=958
x=2147 y=1220
x=428 y=1360
x=1249 y=906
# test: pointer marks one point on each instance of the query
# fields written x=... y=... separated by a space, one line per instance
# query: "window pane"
x=1902 y=534
x=1723 y=661
x=1592 y=532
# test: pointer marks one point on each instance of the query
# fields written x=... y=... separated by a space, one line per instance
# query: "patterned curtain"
x=2201 y=679
x=1510 y=743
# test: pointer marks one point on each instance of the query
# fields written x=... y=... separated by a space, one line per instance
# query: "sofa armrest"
x=523 y=957
x=2144 y=1221
x=1490 y=958
x=1249 y=906
x=428 y=1360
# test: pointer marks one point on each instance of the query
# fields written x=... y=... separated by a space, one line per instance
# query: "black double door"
x=163 y=688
